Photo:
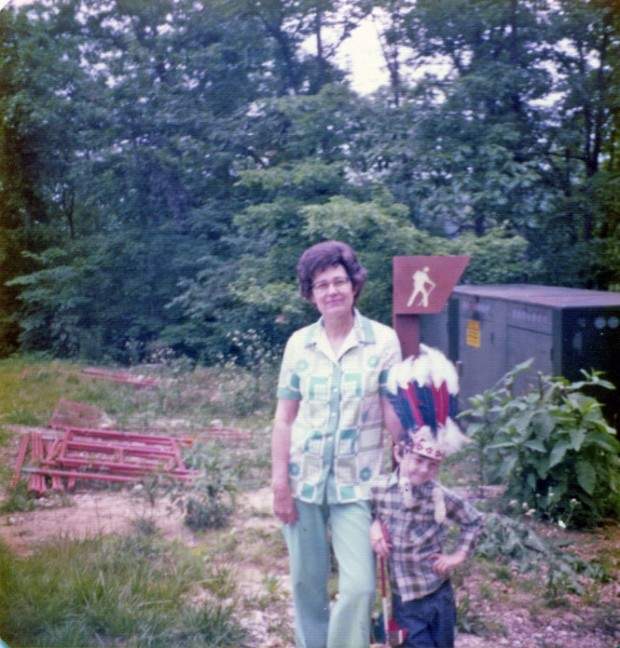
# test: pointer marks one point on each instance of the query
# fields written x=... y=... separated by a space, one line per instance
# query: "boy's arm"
x=469 y=520
x=444 y=564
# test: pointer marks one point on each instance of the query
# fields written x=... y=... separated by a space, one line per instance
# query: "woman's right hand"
x=283 y=504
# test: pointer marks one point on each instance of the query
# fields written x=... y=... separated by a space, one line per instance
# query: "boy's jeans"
x=430 y=620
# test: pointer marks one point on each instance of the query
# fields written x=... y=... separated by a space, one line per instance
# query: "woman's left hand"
x=284 y=505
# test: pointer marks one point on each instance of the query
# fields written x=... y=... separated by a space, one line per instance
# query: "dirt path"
x=86 y=515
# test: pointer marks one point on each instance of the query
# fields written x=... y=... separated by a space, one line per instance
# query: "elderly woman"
x=327 y=448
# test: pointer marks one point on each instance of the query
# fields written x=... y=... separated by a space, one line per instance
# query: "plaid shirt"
x=415 y=536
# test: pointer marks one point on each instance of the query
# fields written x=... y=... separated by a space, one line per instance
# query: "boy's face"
x=417 y=468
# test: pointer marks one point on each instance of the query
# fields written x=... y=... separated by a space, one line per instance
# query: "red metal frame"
x=102 y=455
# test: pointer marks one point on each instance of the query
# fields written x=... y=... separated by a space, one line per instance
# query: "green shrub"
x=505 y=541
x=17 y=500
x=210 y=499
x=551 y=447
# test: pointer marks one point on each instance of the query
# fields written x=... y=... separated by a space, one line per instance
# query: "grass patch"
x=30 y=388
x=264 y=546
x=131 y=591
x=220 y=581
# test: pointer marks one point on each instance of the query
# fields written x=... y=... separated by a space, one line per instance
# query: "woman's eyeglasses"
x=323 y=286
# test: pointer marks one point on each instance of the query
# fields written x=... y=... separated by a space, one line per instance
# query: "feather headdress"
x=423 y=392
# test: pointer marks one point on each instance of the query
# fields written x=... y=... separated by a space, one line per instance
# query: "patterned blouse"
x=337 y=437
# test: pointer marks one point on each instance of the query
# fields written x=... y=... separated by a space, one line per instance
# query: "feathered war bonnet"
x=423 y=392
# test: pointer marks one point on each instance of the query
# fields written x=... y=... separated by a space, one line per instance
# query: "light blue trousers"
x=347 y=625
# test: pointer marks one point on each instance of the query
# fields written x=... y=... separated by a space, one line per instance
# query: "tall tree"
x=577 y=140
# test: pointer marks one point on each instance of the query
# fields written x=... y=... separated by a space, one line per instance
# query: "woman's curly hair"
x=325 y=255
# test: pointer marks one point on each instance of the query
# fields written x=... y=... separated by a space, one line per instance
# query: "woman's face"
x=332 y=291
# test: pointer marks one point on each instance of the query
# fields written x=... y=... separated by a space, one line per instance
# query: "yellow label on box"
x=472 y=333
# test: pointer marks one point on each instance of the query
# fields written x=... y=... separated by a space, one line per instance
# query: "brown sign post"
x=421 y=285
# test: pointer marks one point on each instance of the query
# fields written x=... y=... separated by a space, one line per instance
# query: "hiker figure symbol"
x=423 y=286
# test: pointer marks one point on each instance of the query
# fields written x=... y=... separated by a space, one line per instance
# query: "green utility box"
x=487 y=330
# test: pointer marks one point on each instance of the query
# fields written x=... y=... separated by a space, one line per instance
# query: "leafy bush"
x=551 y=447
x=17 y=500
x=209 y=501
x=505 y=540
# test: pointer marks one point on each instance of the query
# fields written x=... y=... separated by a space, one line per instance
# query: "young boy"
x=410 y=512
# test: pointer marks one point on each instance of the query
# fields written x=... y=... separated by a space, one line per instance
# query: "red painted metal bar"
x=98 y=461
x=119 y=435
x=41 y=453
x=74 y=475
x=108 y=448
x=64 y=443
x=120 y=467
x=51 y=449
x=24 y=443
x=36 y=482
x=127 y=436
x=120 y=377
x=55 y=446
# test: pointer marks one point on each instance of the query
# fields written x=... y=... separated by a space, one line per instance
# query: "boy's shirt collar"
x=421 y=490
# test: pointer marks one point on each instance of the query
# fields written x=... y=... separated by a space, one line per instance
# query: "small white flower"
x=530 y=512
x=524 y=506
x=561 y=524
x=513 y=503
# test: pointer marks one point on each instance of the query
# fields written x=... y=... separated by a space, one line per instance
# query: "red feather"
x=441 y=397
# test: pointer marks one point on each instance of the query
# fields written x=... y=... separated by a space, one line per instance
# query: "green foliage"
x=17 y=500
x=507 y=541
x=468 y=618
x=88 y=298
x=133 y=590
x=209 y=500
x=162 y=167
x=496 y=257
x=551 y=446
